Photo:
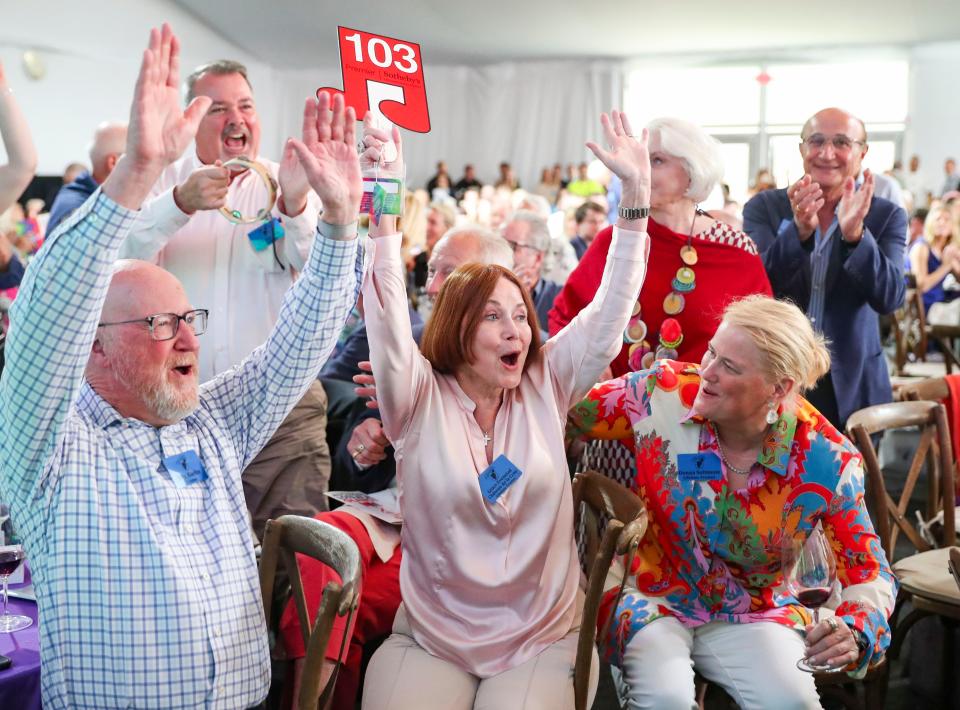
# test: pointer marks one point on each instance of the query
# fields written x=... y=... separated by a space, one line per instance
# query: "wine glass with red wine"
x=10 y=558
x=810 y=571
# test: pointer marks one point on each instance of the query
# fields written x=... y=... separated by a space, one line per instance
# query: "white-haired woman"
x=935 y=257
x=705 y=590
x=699 y=264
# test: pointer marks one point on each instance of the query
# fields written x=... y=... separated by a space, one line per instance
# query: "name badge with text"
x=703 y=466
x=498 y=477
x=185 y=468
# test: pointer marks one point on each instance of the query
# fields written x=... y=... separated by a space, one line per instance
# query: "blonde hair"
x=783 y=335
x=413 y=222
x=930 y=224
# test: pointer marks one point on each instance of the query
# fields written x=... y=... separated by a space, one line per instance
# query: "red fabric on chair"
x=379 y=599
x=952 y=405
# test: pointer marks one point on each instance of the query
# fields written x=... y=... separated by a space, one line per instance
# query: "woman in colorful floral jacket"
x=708 y=570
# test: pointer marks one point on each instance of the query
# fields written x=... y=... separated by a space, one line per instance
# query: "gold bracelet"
x=264 y=214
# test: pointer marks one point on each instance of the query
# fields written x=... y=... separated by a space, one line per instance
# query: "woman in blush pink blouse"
x=490 y=576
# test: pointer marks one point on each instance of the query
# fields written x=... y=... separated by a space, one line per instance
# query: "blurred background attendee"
x=914 y=184
x=590 y=218
x=935 y=259
x=549 y=186
x=435 y=179
x=506 y=177
x=441 y=189
x=915 y=231
x=107 y=147
x=888 y=188
x=467 y=182
x=763 y=180
x=72 y=172
x=441 y=217
x=528 y=236
x=36 y=218
x=584 y=185
x=951 y=181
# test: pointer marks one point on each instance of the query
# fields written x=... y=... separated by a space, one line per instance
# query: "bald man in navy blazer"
x=836 y=251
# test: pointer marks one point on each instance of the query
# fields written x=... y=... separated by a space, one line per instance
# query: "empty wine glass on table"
x=810 y=571
x=11 y=556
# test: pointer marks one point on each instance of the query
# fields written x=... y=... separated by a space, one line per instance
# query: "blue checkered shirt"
x=148 y=592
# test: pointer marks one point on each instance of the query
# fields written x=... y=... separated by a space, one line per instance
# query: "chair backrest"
x=283 y=539
x=602 y=499
x=934 y=450
x=910 y=330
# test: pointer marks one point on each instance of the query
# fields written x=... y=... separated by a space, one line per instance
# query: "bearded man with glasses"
x=836 y=250
x=122 y=471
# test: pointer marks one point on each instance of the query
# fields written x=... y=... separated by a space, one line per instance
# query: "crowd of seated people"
x=485 y=328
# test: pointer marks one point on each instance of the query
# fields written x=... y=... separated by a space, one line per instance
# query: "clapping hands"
x=854 y=206
x=806 y=199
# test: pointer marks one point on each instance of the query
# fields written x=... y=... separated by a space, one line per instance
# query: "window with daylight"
x=757 y=110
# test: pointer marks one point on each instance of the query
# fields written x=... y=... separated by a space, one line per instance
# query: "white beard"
x=159 y=396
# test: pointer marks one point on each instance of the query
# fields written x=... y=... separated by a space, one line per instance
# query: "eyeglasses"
x=516 y=246
x=164 y=326
x=840 y=142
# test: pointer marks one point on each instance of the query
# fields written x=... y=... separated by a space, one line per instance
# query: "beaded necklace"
x=641 y=352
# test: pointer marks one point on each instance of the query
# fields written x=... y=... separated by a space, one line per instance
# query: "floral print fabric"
x=712 y=552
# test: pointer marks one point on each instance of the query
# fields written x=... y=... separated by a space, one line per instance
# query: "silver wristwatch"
x=633 y=212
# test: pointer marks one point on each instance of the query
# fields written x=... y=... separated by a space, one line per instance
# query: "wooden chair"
x=954 y=564
x=909 y=329
x=924 y=577
x=912 y=333
x=283 y=539
x=602 y=499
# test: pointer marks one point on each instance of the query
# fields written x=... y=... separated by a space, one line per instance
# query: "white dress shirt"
x=216 y=263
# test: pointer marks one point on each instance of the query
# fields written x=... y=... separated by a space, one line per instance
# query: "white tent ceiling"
x=290 y=34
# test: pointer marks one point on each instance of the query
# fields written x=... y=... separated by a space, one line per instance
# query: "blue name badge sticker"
x=266 y=234
x=704 y=466
x=498 y=477
x=185 y=468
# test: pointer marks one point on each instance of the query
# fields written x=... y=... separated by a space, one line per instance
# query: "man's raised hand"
x=328 y=155
x=159 y=130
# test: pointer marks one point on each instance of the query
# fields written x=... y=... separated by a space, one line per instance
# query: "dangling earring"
x=772 y=415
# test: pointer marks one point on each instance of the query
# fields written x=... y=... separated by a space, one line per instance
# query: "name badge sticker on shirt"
x=266 y=234
x=498 y=477
x=704 y=466
x=185 y=468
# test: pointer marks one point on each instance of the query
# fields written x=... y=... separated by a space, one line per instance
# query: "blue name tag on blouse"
x=704 y=466
x=498 y=477
x=185 y=468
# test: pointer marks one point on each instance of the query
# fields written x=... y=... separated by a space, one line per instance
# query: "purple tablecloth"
x=20 y=683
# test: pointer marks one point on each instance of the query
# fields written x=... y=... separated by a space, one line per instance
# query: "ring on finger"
x=833 y=623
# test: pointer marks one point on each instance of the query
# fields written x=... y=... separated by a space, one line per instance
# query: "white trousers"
x=403 y=676
x=754 y=663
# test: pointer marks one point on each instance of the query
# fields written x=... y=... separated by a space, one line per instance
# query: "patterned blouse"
x=712 y=552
